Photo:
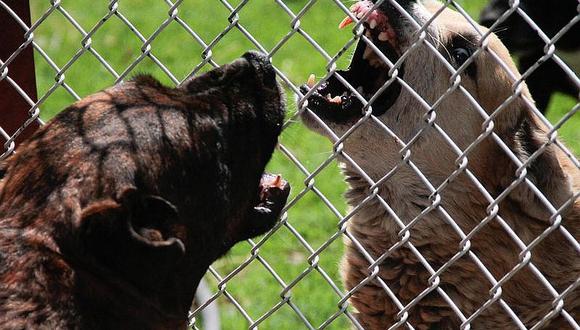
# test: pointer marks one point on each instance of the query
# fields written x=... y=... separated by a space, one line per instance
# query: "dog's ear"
x=546 y=171
x=150 y=218
x=3 y=168
x=132 y=235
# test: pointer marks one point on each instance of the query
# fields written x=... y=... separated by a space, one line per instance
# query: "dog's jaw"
x=339 y=104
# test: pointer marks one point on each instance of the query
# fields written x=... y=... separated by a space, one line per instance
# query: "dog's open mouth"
x=368 y=73
x=272 y=191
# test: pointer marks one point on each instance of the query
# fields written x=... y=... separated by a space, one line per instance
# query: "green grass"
x=254 y=288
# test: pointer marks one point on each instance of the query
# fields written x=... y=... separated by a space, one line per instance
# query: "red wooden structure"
x=13 y=107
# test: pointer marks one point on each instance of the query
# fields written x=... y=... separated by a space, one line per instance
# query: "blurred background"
x=313 y=217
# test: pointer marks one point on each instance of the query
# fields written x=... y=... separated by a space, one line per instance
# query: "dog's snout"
x=262 y=66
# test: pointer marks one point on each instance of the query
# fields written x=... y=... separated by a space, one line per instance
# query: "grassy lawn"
x=254 y=288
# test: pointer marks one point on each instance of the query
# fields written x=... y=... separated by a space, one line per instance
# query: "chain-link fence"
x=261 y=285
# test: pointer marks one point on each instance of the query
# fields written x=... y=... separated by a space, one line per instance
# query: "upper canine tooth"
x=384 y=36
x=373 y=23
x=277 y=181
x=360 y=14
x=345 y=22
x=360 y=90
x=311 y=80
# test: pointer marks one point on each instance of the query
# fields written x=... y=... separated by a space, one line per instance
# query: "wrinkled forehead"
x=450 y=23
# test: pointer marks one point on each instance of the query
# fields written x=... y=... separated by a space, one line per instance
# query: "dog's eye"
x=460 y=55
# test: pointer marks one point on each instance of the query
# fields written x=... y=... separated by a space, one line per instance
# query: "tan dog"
x=463 y=287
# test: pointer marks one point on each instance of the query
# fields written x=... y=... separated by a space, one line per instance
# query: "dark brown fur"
x=112 y=212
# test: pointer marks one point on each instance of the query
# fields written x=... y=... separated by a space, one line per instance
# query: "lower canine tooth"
x=383 y=36
x=311 y=80
x=373 y=23
x=336 y=99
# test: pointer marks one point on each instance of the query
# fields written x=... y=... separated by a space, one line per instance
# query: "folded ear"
x=132 y=235
x=547 y=171
x=3 y=168
x=150 y=220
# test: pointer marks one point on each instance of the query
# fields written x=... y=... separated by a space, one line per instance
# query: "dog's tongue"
x=359 y=10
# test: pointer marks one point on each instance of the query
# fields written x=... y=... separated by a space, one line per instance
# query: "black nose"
x=262 y=66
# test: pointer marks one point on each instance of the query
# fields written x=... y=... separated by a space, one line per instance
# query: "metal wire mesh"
x=207 y=45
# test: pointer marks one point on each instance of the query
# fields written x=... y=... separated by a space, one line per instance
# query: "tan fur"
x=377 y=153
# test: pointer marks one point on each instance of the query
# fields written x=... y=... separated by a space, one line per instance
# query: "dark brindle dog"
x=112 y=213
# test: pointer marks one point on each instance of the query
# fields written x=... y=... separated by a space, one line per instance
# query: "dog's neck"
x=405 y=195
x=404 y=198
x=462 y=202
x=74 y=295
x=121 y=304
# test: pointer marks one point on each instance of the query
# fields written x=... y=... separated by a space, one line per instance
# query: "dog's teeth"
x=373 y=23
x=384 y=36
x=311 y=80
x=360 y=14
x=360 y=90
x=345 y=22
x=344 y=94
x=328 y=96
x=336 y=99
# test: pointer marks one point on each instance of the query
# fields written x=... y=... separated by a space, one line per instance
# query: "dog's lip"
x=367 y=72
